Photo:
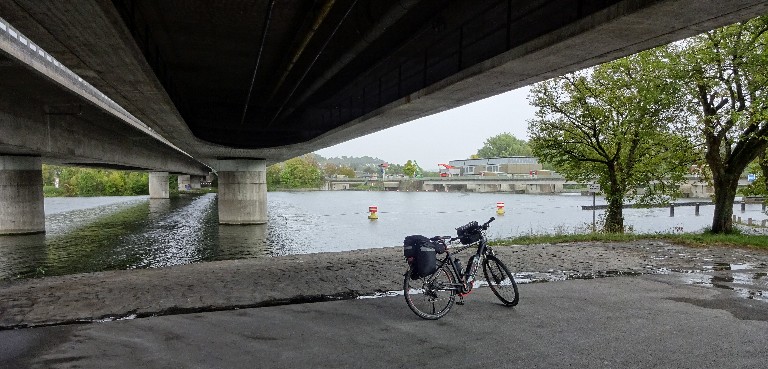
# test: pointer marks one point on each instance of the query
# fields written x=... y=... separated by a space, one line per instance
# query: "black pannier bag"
x=423 y=251
x=469 y=233
x=411 y=245
x=426 y=261
x=438 y=246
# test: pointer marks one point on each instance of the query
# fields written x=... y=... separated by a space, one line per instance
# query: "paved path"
x=316 y=277
x=624 y=322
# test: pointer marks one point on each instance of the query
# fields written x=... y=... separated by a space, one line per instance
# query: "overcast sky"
x=451 y=135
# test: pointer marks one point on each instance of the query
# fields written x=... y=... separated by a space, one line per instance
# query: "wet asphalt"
x=660 y=305
x=648 y=321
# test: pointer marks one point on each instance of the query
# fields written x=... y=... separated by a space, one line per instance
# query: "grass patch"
x=533 y=239
x=732 y=239
x=689 y=239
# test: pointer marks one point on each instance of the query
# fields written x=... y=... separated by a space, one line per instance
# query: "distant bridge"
x=693 y=188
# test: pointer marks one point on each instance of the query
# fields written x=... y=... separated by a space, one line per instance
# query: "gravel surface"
x=234 y=284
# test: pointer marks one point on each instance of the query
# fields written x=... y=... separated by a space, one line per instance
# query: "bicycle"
x=432 y=296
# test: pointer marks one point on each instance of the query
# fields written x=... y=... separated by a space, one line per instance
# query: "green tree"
x=49 y=173
x=346 y=171
x=88 y=183
x=370 y=169
x=758 y=167
x=409 y=169
x=137 y=183
x=301 y=172
x=395 y=169
x=330 y=169
x=114 y=184
x=762 y=163
x=504 y=145
x=614 y=125
x=94 y=182
x=274 y=173
x=725 y=73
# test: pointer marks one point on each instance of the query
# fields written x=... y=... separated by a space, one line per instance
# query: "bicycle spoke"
x=435 y=300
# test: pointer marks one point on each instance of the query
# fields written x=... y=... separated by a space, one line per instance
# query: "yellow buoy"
x=500 y=208
x=373 y=209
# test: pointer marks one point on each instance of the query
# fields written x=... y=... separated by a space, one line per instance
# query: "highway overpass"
x=181 y=85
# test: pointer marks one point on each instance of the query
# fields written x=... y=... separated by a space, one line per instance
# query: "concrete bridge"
x=693 y=187
x=188 y=86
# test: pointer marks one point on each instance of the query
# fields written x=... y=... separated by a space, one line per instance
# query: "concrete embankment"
x=317 y=277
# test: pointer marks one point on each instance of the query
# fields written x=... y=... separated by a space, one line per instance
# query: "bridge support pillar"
x=158 y=185
x=184 y=181
x=194 y=182
x=242 y=191
x=21 y=195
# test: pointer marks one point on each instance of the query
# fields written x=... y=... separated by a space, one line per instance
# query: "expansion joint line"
x=267 y=21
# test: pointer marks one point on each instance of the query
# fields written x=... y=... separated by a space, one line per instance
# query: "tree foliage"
x=615 y=125
x=300 y=172
x=356 y=163
x=331 y=170
x=504 y=145
x=93 y=182
x=409 y=169
x=725 y=74
x=759 y=167
x=395 y=169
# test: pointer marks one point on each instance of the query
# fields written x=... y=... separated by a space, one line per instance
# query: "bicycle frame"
x=473 y=263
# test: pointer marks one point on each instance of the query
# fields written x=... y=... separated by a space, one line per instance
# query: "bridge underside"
x=275 y=79
x=241 y=84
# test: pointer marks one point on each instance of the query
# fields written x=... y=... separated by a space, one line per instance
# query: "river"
x=108 y=233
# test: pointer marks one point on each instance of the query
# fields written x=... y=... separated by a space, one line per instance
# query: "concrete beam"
x=242 y=191
x=54 y=114
x=21 y=195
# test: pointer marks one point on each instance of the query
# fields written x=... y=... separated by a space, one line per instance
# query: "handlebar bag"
x=469 y=233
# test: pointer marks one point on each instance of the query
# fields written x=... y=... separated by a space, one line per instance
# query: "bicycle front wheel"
x=430 y=297
x=501 y=281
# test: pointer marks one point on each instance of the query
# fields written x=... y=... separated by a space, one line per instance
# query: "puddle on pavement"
x=381 y=294
x=524 y=278
x=745 y=280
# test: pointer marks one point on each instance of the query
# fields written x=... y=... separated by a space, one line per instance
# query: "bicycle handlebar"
x=485 y=225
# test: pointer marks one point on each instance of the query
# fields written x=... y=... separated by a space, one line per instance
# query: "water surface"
x=95 y=234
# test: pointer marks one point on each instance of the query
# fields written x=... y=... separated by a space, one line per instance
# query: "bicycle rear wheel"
x=430 y=297
x=501 y=281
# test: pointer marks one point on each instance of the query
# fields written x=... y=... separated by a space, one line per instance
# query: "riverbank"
x=233 y=284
